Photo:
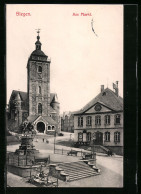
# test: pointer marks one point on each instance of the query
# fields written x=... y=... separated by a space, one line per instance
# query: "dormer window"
x=39 y=69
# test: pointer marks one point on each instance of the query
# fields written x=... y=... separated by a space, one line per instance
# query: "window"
x=88 y=136
x=49 y=127
x=80 y=137
x=40 y=90
x=107 y=119
x=39 y=69
x=117 y=119
x=98 y=120
x=117 y=137
x=80 y=121
x=53 y=127
x=107 y=136
x=89 y=121
x=39 y=108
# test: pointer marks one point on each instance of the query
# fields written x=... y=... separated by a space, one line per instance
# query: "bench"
x=87 y=156
x=72 y=152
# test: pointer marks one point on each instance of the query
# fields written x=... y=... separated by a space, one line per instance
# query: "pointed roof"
x=53 y=98
x=33 y=118
x=38 y=51
x=108 y=98
x=23 y=95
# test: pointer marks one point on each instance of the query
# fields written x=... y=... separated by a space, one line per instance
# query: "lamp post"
x=93 y=140
x=54 y=140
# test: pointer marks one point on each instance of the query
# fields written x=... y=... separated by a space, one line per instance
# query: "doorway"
x=40 y=127
x=99 y=138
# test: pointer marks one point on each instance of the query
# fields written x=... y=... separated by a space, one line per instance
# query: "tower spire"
x=38 y=43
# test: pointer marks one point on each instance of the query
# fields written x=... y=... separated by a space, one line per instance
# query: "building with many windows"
x=37 y=106
x=101 y=120
x=67 y=122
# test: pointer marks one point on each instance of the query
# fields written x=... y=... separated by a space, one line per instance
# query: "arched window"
x=40 y=90
x=107 y=136
x=98 y=120
x=117 y=119
x=89 y=121
x=80 y=121
x=49 y=127
x=117 y=136
x=53 y=127
x=39 y=69
x=39 y=108
x=107 y=120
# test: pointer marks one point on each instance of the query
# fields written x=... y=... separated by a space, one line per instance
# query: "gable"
x=97 y=108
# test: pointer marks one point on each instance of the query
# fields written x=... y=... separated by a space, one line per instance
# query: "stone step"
x=78 y=172
x=82 y=174
x=84 y=165
x=80 y=177
x=76 y=169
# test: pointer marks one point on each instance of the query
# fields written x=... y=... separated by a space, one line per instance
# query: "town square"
x=64 y=126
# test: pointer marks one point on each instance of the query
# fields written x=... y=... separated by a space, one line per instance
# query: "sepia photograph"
x=64 y=95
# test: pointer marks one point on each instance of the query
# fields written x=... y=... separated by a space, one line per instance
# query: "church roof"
x=33 y=118
x=38 y=52
x=49 y=120
x=19 y=95
x=107 y=98
x=23 y=96
x=53 y=98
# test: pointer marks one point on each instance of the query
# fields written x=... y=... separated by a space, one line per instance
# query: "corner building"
x=38 y=105
x=101 y=120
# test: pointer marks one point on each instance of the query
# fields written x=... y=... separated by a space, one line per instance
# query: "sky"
x=80 y=61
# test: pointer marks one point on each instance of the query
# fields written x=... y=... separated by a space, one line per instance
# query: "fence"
x=25 y=160
x=73 y=152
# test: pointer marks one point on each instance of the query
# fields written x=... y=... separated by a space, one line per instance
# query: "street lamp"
x=54 y=140
x=93 y=140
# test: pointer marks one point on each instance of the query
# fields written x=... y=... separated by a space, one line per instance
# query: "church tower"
x=38 y=75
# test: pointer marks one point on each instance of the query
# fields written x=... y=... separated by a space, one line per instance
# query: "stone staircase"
x=101 y=149
x=77 y=170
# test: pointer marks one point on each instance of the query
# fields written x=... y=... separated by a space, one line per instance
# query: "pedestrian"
x=111 y=153
x=108 y=153
x=43 y=139
x=37 y=140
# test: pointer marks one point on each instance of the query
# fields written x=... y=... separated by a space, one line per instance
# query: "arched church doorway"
x=40 y=127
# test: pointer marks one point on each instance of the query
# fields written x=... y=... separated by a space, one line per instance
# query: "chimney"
x=115 y=87
x=102 y=88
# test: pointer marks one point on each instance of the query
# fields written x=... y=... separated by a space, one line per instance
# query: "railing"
x=73 y=152
x=24 y=160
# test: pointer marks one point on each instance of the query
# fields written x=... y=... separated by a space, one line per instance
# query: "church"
x=37 y=106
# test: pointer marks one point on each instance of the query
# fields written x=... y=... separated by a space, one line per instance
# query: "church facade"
x=37 y=106
x=101 y=121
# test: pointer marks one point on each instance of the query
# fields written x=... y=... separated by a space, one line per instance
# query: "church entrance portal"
x=40 y=127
